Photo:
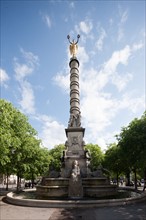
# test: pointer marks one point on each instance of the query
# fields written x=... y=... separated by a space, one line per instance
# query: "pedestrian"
x=29 y=184
x=144 y=184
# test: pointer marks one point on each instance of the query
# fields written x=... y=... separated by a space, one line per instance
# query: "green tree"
x=56 y=154
x=112 y=160
x=132 y=142
x=6 y=138
x=16 y=136
x=96 y=155
x=37 y=161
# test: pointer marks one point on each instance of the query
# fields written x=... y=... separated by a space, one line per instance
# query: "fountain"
x=75 y=179
x=75 y=185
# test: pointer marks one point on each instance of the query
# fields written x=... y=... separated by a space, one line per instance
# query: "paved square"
x=132 y=212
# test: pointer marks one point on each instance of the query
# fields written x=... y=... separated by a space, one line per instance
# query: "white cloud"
x=123 y=19
x=111 y=21
x=118 y=57
x=99 y=42
x=47 y=20
x=52 y=132
x=22 y=70
x=93 y=81
x=3 y=77
x=72 y=4
x=27 y=68
x=137 y=46
x=124 y=16
x=84 y=26
x=62 y=80
x=121 y=81
x=99 y=112
x=106 y=138
x=120 y=33
x=82 y=55
x=130 y=102
x=27 y=101
x=30 y=58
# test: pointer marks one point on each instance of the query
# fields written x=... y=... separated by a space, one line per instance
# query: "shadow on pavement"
x=135 y=211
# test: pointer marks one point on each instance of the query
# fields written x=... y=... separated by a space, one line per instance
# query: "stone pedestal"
x=75 y=149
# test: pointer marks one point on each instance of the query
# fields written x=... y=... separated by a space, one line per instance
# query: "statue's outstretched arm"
x=68 y=37
x=78 y=36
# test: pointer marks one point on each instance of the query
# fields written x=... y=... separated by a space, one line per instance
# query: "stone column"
x=74 y=94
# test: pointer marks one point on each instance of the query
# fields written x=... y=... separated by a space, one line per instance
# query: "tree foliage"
x=96 y=155
x=113 y=161
x=129 y=154
x=132 y=142
x=56 y=154
x=20 y=149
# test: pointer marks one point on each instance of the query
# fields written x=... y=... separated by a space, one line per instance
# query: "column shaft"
x=74 y=87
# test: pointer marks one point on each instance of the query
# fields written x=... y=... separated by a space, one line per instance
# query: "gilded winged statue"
x=73 y=45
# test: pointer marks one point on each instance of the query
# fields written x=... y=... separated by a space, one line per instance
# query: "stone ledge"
x=74 y=129
x=73 y=203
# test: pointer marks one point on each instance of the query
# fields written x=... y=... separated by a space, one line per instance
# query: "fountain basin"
x=68 y=203
x=52 y=191
x=59 y=187
x=95 y=181
x=100 y=190
x=55 y=181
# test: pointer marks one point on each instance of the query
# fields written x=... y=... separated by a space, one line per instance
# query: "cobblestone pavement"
x=135 y=211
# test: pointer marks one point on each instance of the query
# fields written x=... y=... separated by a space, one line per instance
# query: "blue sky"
x=35 y=71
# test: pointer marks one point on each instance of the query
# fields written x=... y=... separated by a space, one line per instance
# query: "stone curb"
x=73 y=203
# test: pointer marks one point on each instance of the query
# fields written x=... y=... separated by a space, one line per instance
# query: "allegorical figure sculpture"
x=73 y=45
x=75 y=182
x=75 y=120
x=75 y=171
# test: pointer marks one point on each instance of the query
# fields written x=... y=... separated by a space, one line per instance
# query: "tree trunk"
x=135 y=179
x=145 y=173
x=117 y=179
x=128 y=178
x=7 y=182
x=144 y=187
x=18 y=178
x=32 y=180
